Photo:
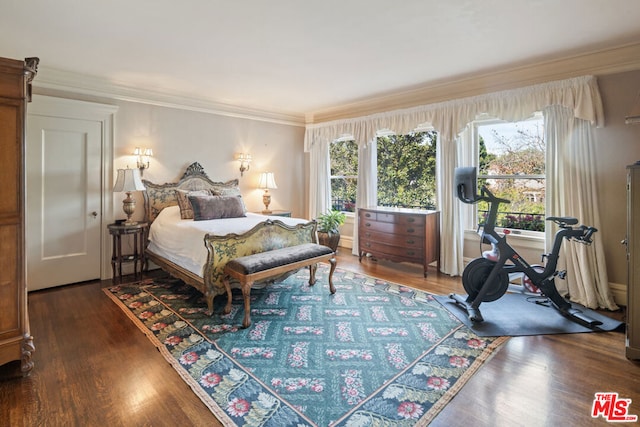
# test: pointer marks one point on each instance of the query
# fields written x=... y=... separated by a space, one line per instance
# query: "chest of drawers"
x=400 y=235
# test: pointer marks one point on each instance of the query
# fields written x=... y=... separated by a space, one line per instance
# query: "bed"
x=195 y=249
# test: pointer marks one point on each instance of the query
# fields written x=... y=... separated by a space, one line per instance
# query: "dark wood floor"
x=93 y=367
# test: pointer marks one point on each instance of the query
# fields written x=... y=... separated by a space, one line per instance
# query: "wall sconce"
x=128 y=180
x=267 y=182
x=633 y=118
x=142 y=158
x=245 y=162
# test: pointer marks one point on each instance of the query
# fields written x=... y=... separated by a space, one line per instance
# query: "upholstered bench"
x=271 y=264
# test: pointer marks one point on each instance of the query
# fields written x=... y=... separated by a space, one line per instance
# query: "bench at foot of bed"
x=264 y=265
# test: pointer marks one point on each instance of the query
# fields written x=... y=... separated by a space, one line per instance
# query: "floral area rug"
x=374 y=353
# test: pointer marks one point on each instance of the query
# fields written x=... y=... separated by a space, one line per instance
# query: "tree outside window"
x=407 y=170
x=344 y=175
x=512 y=166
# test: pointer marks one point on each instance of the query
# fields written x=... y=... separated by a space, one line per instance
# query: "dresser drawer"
x=393 y=228
x=396 y=218
x=407 y=241
x=382 y=250
x=370 y=215
x=403 y=219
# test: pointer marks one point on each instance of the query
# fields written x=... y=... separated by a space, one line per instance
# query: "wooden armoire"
x=633 y=261
x=16 y=342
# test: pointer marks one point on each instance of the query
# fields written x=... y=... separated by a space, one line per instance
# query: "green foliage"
x=331 y=221
x=519 y=154
x=485 y=158
x=407 y=170
x=523 y=222
x=344 y=175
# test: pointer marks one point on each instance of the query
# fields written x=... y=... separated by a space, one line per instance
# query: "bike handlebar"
x=581 y=234
x=488 y=196
x=588 y=232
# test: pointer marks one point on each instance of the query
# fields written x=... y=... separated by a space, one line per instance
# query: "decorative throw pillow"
x=231 y=192
x=219 y=187
x=186 y=211
x=216 y=207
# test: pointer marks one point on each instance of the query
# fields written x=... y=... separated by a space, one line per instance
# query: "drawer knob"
x=410 y=230
x=410 y=253
x=411 y=242
x=411 y=219
x=367 y=224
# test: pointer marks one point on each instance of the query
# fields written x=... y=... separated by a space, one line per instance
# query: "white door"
x=63 y=219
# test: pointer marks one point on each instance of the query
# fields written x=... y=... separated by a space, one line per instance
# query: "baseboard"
x=346 y=242
x=619 y=292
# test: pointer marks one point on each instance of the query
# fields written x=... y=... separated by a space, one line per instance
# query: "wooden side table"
x=138 y=257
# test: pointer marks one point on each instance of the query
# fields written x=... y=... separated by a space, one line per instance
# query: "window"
x=344 y=175
x=511 y=159
x=407 y=170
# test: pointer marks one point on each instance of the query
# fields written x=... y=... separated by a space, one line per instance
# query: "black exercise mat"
x=516 y=314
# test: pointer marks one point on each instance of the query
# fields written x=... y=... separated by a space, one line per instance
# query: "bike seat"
x=563 y=220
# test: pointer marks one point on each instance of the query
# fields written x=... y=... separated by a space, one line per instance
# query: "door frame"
x=49 y=106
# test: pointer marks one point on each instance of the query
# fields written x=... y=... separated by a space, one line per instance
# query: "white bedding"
x=181 y=241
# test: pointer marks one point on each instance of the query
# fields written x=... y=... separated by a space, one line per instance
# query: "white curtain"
x=580 y=95
x=367 y=183
x=319 y=179
x=451 y=229
x=570 y=174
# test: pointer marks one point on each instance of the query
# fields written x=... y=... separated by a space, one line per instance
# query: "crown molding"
x=50 y=79
x=601 y=62
x=598 y=62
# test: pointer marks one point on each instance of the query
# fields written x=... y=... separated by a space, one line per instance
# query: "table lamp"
x=128 y=180
x=267 y=182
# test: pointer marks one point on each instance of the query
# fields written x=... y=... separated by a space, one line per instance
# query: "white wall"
x=618 y=146
x=180 y=137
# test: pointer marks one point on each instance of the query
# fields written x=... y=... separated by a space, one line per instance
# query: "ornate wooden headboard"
x=160 y=196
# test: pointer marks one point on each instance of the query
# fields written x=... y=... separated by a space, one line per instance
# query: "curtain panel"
x=579 y=95
x=449 y=118
x=570 y=163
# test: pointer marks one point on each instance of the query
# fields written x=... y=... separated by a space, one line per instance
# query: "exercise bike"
x=487 y=280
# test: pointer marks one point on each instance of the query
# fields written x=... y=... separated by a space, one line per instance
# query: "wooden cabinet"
x=16 y=342
x=633 y=262
x=400 y=235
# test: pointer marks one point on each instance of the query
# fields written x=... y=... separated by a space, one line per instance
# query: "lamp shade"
x=128 y=180
x=267 y=181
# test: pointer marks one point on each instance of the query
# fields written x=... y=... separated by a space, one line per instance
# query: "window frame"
x=471 y=222
x=345 y=138
x=422 y=128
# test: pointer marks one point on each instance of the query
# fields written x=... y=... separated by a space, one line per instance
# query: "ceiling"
x=301 y=57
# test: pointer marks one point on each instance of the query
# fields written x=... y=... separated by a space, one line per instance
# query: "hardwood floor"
x=93 y=367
